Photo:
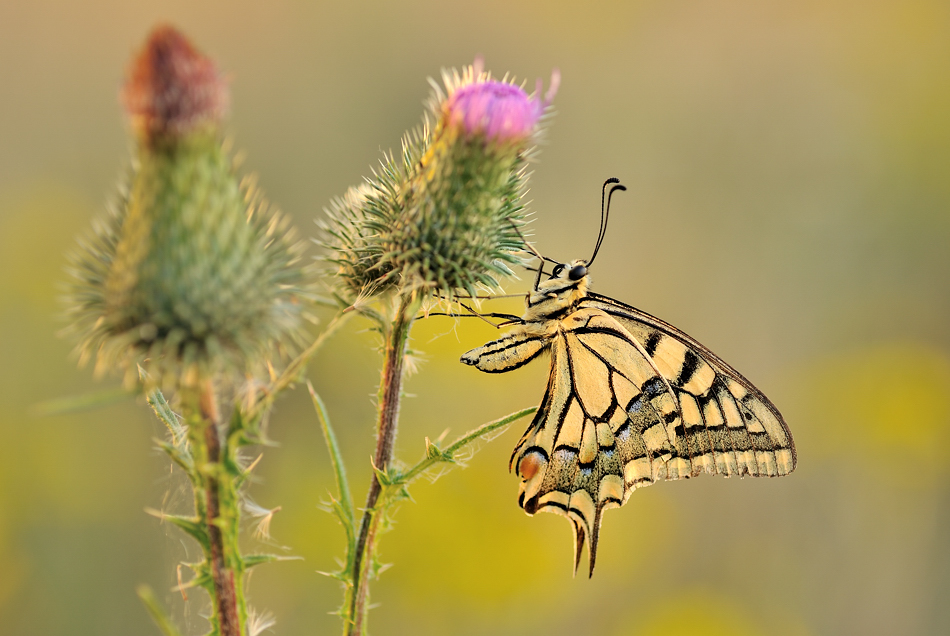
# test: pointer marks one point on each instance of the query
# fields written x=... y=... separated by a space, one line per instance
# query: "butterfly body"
x=630 y=400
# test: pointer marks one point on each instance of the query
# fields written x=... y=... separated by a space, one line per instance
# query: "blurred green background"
x=788 y=167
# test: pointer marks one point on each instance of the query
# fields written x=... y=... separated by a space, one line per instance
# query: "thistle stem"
x=390 y=393
x=222 y=577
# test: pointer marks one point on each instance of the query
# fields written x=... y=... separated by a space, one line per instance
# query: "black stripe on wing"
x=655 y=329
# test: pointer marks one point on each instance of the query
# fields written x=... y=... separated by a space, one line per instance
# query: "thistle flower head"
x=172 y=89
x=192 y=273
x=447 y=217
x=498 y=110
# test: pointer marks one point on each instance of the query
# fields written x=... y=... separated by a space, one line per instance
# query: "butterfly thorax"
x=557 y=296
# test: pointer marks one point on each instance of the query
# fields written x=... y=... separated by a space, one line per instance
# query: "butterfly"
x=630 y=400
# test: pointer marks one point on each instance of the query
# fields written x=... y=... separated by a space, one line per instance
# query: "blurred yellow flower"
x=886 y=407
x=696 y=612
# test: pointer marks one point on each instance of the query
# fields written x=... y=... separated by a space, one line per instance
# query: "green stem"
x=225 y=581
x=390 y=393
x=436 y=456
x=210 y=461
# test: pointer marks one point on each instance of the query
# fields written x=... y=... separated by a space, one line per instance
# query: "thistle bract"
x=192 y=273
x=447 y=217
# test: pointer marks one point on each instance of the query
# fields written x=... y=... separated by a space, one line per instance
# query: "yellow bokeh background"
x=788 y=167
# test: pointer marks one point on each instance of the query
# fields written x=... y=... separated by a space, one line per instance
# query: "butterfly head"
x=568 y=283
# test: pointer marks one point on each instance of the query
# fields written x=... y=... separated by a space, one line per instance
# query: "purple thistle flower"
x=498 y=110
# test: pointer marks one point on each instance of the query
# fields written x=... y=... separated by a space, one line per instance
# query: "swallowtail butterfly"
x=631 y=400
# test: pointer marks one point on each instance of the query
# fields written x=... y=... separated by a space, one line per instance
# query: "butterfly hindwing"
x=605 y=427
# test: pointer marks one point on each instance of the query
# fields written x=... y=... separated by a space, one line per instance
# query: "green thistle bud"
x=192 y=273
x=447 y=217
x=351 y=233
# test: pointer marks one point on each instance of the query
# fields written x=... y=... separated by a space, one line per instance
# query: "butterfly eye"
x=577 y=272
x=557 y=271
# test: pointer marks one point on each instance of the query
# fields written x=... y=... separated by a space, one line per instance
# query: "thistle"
x=443 y=220
x=192 y=275
x=191 y=284
x=448 y=215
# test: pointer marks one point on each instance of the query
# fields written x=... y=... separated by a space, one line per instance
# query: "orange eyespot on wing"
x=529 y=465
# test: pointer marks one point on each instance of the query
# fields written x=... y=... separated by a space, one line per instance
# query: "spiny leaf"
x=434 y=452
x=179 y=456
x=378 y=567
x=202 y=577
x=344 y=506
x=256 y=559
x=245 y=473
x=343 y=575
x=190 y=525
x=76 y=403
x=165 y=413
x=335 y=508
x=156 y=612
x=384 y=477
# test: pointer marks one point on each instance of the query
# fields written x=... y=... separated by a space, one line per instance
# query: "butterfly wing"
x=605 y=426
x=728 y=426
x=630 y=400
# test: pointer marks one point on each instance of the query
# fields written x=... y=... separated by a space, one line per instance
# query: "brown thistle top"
x=172 y=89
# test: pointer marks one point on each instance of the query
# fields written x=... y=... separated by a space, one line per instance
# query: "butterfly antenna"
x=605 y=213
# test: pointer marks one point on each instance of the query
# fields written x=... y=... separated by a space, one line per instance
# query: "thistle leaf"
x=344 y=505
x=75 y=403
x=156 y=611
x=165 y=413
x=191 y=526
x=252 y=560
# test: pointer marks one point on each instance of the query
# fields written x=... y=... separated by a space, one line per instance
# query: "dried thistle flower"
x=447 y=216
x=192 y=273
x=172 y=89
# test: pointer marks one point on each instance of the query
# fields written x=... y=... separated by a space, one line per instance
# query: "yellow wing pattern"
x=745 y=433
x=630 y=400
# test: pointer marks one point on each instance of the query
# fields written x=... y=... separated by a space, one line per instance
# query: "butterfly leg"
x=510 y=352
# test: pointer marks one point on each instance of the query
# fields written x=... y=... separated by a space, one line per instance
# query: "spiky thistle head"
x=193 y=273
x=448 y=215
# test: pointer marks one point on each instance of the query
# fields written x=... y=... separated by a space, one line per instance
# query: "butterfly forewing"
x=723 y=413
